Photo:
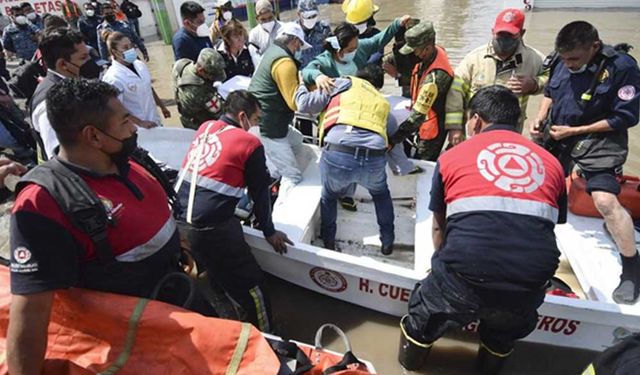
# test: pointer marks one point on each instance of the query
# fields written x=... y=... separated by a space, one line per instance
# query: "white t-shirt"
x=261 y=38
x=41 y=124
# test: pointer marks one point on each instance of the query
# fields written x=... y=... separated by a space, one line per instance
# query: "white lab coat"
x=135 y=90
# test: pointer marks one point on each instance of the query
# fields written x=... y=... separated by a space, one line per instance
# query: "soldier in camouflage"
x=315 y=30
x=400 y=66
x=21 y=36
x=430 y=81
x=198 y=101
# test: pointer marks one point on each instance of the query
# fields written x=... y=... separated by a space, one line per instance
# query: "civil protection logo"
x=210 y=150
x=511 y=167
x=21 y=254
x=328 y=280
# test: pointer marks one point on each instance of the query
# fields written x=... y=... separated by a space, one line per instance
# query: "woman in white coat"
x=131 y=77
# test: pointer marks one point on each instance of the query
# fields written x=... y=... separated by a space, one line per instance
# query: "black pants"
x=444 y=301
x=223 y=252
x=430 y=150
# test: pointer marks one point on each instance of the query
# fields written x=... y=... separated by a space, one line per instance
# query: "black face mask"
x=90 y=70
x=505 y=45
x=110 y=18
x=129 y=145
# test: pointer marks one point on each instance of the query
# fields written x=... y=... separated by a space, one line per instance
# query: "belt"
x=355 y=151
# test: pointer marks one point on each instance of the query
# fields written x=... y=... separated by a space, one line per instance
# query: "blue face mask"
x=298 y=55
x=130 y=56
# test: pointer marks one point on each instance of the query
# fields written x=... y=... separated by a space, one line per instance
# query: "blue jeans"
x=338 y=171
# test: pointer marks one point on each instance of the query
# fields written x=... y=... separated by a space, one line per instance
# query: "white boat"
x=362 y=276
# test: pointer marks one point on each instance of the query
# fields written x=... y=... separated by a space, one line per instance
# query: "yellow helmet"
x=358 y=11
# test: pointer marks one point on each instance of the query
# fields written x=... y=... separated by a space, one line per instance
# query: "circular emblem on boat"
x=511 y=167
x=21 y=255
x=328 y=280
x=210 y=150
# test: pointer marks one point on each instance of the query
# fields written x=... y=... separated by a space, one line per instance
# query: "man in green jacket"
x=274 y=84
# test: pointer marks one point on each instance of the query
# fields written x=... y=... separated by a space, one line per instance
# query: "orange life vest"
x=71 y=10
x=429 y=128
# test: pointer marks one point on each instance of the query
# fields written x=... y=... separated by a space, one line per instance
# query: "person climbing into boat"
x=594 y=93
x=91 y=218
x=224 y=159
x=430 y=82
x=495 y=199
x=353 y=128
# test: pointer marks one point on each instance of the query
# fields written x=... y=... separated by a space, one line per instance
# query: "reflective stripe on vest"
x=503 y=204
x=214 y=185
x=361 y=106
x=429 y=128
x=155 y=244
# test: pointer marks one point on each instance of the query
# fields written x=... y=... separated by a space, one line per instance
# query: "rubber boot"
x=411 y=353
x=490 y=362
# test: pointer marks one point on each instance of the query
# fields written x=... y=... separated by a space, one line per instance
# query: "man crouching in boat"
x=123 y=241
x=353 y=129
x=222 y=161
x=495 y=200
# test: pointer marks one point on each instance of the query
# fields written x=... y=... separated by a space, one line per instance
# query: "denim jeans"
x=338 y=171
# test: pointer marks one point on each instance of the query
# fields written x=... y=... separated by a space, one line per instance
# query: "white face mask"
x=362 y=27
x=227 y=15
x=21 y=20
x=309 y=23
x=202 y=30
x=90 y=12
x=31 y=16
x=268 y=26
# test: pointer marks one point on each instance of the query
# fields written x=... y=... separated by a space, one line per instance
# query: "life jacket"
x=429 y=128
x=361 y=106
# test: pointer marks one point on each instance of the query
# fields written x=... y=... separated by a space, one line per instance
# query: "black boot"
x=629 y=287
x=411 y=353
x=490 y=362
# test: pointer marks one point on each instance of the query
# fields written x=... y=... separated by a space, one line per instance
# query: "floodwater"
x=461 y=26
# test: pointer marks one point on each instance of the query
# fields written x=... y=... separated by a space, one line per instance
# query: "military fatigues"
x=198 y=101
x=482 y=68
x=21 y=40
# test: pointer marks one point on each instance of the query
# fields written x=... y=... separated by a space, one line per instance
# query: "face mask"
x=227 y=15
x=90 y=70
x=21 y=20
x=129 y=145
x=130 y=56
x=110 y=18
x=31 y=16
x=298 y=55
x=94 y=3
x=202 y=30
x=579 y=70
x=348 y=57
x=362 y=27
x=91 y=12
x=309 y=23
x=505 y=45
x=268 y=26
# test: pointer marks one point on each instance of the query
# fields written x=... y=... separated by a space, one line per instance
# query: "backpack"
x=25 y=79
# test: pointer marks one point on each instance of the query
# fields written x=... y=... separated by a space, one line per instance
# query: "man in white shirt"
x=65 y=54
x=262 y=36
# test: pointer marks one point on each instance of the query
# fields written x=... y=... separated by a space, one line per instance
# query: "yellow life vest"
x=361 y=106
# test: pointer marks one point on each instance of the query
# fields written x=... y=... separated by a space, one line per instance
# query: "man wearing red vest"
x=430 y=81
x=495 y=199
x=222 y=161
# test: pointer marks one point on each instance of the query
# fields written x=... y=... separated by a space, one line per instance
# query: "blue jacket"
x=315 y=37
x=188 y=46
x=21 y=40
x=122 y=27
x=88 y=27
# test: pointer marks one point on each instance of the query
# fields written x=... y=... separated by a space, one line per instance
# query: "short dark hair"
x=496 y=104
x=190 y=10
x=577 y=34
x=241 y=101
x=52 y=22
x=25 y=5
x=59 y=44
x=345 y=33
x=15 y=9
x=373 y=74
x=73 y=103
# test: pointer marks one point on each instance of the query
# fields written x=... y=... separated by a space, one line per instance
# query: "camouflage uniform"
x=21 y=40
x=404 y=63
x=198 y=101
x=122 y=27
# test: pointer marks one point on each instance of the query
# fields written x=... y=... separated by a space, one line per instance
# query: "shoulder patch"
x=627 y=92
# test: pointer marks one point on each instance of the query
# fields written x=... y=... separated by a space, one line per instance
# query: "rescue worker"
x=353 y=129
x=595 y=96
x=316 y=30
x=401 y=66
x=430 y=82
x=506 y=61
x=66 y=56
x=21 y=37
x=71 y=12
x=262 y=36
x=32 y=16
x=274 y=84
x=112 y=24
x=495 y=200
x=193 y=36
x=360 y=13
x=88 y=23
x=51 y=250
x=198 y=101
x=232 y=160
